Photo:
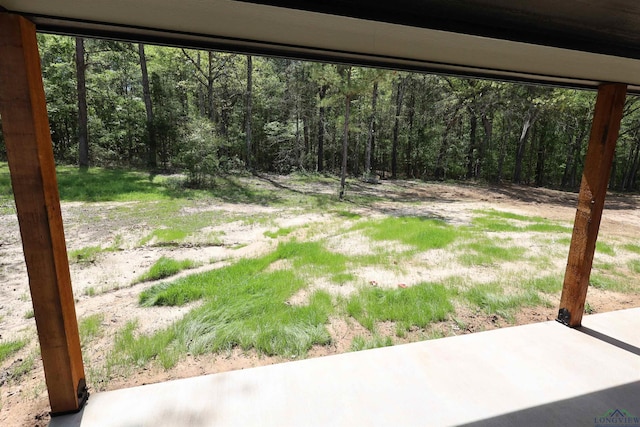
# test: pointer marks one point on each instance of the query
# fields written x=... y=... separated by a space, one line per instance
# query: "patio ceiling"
x=578 y=43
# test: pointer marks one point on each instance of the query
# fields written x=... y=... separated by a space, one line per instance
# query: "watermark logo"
x=617 y=417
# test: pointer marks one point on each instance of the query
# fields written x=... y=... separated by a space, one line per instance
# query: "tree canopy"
x=204 y=112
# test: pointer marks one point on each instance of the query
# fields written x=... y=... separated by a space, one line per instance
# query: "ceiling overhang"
x=508 y=45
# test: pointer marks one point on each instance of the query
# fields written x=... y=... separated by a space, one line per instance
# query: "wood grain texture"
x=29 y=151
x=593 y=189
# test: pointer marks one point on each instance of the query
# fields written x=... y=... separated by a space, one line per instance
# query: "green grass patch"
x=347 y=214
x=420 y=233
x=417 y=305
x=85 y=255
x=500 y=221
x=24 y=367
x=245 y=305
x=604 y=248
x=484 y=252
x=632 y=248
x=165 y=267
x=361 y=343
x=8 y=348
x=29 y=314
x=609 y=283
x=634 y=265
x=90 y=328
x=545 y=284
x=102 y=185
x=492 y=298
x=281 y=232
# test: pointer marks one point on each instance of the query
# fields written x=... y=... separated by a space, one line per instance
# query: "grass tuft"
x=90 y=328
x=7 y=348
x=417 y=305
x=492 y=298
x=165 y=267
x=421 y=233
x=361 y=343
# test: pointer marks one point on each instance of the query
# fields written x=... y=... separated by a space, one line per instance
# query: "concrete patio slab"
x=542 y=374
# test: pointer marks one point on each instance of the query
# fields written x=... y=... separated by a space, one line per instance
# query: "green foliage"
x=417 y=305
x=200 y=156
x=7 y=348
x=165 y=267
x=29 y=314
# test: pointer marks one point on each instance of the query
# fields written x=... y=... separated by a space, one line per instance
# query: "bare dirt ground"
x=105 y=285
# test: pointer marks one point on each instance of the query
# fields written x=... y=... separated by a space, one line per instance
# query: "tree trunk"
x=409 y=167
x=487 y=124
x=152 y=149
x=473 y=125
x=211 y=104
x=573 y=140
x=321 y=113
x=396 y=129
x=345 y=137
x=529 y=119
x=81 y=68
x=201 y=107
x=541 y=158
x=372 y=131
x=247 y=119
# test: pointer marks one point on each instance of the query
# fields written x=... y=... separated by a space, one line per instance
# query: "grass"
x=361 y=343
x=604 y=248
x=634 y=265
x=85 y=255
x=90 y=328
x=24 y=367
x=8 y=348
x=609 y=282
x=500 y=221
x=493 y=299
x=483 y=252
x=545 y=284
x=29 y=314
x=244 y=305
x=89 y=254
x=632 y=248
x=165 y=267
x=279 y=232
x=420 y=233
x=417 y=305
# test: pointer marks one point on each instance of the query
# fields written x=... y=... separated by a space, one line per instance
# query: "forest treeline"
x=202 y=113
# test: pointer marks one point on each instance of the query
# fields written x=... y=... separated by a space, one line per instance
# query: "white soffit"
x=247 y=27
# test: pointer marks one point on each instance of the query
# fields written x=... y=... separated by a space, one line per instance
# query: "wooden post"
x=25 y=127
x=593 y=189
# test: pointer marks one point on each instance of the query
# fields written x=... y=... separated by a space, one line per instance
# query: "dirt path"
x=105 y=285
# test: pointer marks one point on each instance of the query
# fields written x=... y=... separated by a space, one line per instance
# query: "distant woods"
x=203 y=113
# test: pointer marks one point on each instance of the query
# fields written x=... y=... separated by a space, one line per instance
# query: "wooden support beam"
x=593 y=188
x=25 y=127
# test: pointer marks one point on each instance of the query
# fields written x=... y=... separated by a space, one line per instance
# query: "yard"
x=172 y=282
